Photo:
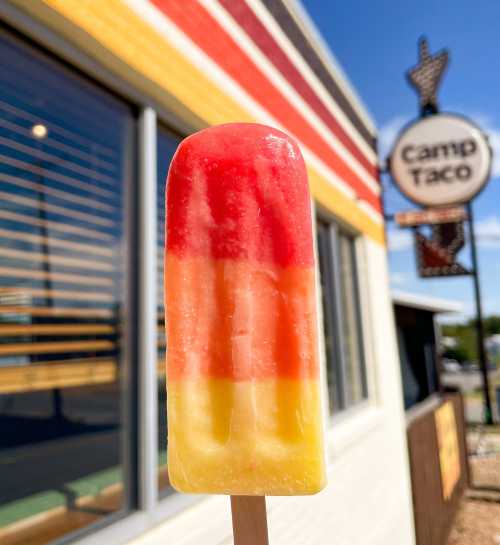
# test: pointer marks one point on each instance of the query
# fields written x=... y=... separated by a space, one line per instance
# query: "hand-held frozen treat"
x=244 y=414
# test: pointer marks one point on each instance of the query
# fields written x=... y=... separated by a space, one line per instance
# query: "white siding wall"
x=368 y=498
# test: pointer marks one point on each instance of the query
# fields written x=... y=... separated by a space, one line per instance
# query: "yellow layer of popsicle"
x=249 y=437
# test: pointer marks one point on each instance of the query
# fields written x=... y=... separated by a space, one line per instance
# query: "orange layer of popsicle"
x=240 y=320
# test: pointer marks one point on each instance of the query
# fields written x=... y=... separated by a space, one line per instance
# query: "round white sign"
x=441 y=160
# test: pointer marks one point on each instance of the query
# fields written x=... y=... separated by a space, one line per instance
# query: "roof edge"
x=424 y=302
x=312 y=32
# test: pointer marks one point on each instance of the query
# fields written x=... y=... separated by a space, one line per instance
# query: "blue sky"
x=375 y=41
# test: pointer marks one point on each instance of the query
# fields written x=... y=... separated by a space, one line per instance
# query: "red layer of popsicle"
x=233 y=194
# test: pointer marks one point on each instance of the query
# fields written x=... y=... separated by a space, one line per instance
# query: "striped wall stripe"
x=322 y=49
x=287 y=22
x=194 y=20
x=367 y=175
x=254 y=27
x=343 y=202
x=240 y=96
x=312 y=79
x=289 y=93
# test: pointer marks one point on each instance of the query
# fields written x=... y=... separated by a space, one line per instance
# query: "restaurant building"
x=435 y=423
x=95 y=96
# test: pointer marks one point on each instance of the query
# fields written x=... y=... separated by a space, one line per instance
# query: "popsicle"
x=244 y=413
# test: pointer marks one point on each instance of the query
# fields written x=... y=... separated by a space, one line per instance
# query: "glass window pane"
x=355 y=387
x=64 y=163
x=333 y=368
x=167 y=144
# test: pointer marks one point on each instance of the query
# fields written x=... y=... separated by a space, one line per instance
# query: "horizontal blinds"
x=60 y=246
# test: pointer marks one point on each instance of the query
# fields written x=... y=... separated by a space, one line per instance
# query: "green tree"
x=492 y=325
x=458 y=353
x=465 y=335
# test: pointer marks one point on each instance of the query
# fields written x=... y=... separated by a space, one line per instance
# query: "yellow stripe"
x=119 y=31
x=343 y=207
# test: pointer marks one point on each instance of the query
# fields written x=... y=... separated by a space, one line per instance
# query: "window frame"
x=128 y=358
x=354 y=257
x=161 y=127
x=144 y=507
x=335 y=312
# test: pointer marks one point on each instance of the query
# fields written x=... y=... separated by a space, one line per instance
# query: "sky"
x=375 y=42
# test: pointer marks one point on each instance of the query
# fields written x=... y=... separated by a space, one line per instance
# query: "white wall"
x=368 y=498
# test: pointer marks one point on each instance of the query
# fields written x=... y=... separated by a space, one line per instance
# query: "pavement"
x=477 y=523
x=478 y=519
x=468 y=381
x=470 y=384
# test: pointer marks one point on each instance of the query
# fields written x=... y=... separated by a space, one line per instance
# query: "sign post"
x=441 y=162
x=481 y=352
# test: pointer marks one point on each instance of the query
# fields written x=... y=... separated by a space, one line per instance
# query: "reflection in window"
x=333 y=369
x=341 y=317
x=167 y=144
x=355 y=382
x=64 y=145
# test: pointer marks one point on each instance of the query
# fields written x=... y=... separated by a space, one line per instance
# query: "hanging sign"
x=441 y=160
x=430 y=216
x=436 y=256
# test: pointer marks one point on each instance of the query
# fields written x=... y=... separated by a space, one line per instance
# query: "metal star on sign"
x=426 y=76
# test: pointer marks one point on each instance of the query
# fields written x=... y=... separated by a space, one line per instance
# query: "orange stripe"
x=239 y=320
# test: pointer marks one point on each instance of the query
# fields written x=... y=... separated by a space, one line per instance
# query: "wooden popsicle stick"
x=249 y=520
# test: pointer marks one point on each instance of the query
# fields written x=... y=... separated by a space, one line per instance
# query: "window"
x=346 y=373
x=332 y=348
x=65 y=171
x=166 y=145
x=417 y=352
x=350 y=318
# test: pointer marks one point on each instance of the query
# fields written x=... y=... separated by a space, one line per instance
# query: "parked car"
x=451 y=366
x=470 y=367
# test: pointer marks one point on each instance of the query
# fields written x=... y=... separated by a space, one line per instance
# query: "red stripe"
x=206 y=32
x=268 y=45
